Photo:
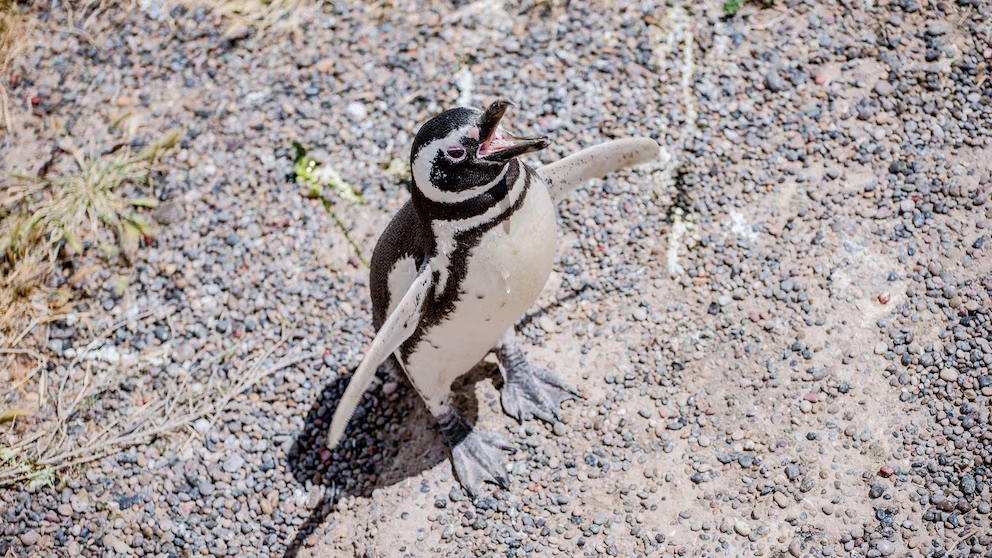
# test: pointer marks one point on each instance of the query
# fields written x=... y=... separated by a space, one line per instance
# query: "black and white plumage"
x=460 y=264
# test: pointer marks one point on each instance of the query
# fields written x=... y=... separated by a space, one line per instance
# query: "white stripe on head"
x=423 y=162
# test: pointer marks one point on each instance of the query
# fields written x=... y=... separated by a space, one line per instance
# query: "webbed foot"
x=529 y=391
x=476 y=455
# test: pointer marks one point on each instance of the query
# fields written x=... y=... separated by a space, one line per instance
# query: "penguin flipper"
x=397 y=328
x=595 y=162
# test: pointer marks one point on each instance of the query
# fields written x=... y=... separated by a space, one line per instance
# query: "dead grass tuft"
x=43 y=219
x=280 y=15
x=85 y=413
x=15 y=32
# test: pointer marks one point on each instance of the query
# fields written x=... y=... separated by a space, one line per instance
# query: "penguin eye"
x=456 y=153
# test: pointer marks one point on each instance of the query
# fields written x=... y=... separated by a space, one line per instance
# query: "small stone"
x=742 y=529
x=827 y=509
x=886 y=471
x=781 y=499
x=30 y=538
x=880 y=348
x=704 y=441
x=937 y=27
x=646 y=412
x=876 y=490
x=547 y=324
x=356 y=111
x=884 y=88
x=234 y=464
x=885 y=548
x=79 y=502
x=795 y=548
x=774 y=82
x=169 y=212
x=640 y=314
x=949 y=375
x=792 y=471
x=119 y=546
x=65 y=510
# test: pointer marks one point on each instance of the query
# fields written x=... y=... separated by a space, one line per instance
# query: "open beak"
x=497 y=145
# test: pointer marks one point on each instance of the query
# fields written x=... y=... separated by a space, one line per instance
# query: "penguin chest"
x=503 y=274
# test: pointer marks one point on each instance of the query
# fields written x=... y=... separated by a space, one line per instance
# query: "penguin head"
x=464 y=149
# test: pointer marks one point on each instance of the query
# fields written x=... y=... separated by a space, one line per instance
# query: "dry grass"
x=15 y=31
x=44 y=219
x=280 y=15
x=38 y=442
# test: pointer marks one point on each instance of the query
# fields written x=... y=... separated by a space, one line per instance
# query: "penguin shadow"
x=391 y=437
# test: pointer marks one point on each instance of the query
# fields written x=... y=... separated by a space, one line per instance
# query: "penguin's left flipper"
x=529 y=391
x=564 y=176
x=397 y=328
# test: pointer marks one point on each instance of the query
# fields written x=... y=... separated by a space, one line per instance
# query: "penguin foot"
x=476 y=455
x=534 y=392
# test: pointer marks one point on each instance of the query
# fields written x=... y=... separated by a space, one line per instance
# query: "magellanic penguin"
x=460 y=264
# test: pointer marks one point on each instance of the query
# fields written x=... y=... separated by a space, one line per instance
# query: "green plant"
x=731 y=7
x=316 y=176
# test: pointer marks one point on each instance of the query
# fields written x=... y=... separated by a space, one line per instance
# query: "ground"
x=780 y=335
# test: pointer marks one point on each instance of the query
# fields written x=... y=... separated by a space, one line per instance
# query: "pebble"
x=884 y=88
x=742 y=529
x=30 y=537
x=781 y=499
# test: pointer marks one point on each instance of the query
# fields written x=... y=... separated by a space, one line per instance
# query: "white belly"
x=506 y=273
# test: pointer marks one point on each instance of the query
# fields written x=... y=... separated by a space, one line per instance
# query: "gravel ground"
x=783 y=349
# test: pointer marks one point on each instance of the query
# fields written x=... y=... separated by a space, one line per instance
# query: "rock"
x=781 y=499
x=775 y=83
x=884 y=88
x=938 y=27
x=30 y=538
x=881 y=348
x=234 y=464
x=885 y=548
x=119 y=546
x=356 y=111
x=547 y=324
x=949 y=375
x=169 y=212
x=742 y=529
x=792 y=471
x=79 y=502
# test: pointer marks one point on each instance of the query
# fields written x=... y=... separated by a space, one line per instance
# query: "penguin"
x=461 y=262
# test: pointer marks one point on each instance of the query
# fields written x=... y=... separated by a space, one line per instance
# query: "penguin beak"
x=499 y=146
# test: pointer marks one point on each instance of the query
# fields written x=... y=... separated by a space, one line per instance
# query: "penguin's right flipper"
x=397 y=328
x=564 y=176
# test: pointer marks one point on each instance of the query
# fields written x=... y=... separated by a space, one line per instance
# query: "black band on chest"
x=471 y=207
x=437 y=308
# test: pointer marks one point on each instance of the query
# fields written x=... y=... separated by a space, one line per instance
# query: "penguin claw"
x=535 y=393
x=478 y=458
